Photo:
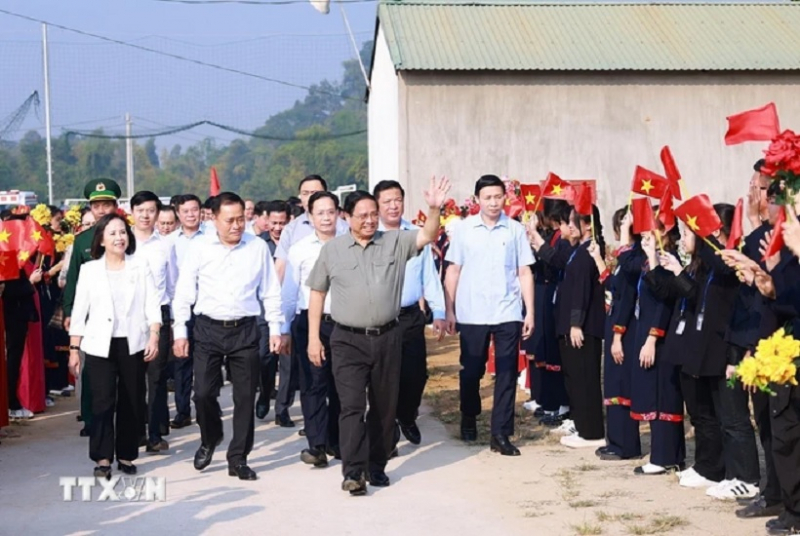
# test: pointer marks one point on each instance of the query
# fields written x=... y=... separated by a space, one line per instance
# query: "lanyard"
x=573 y=255
x=705 y=292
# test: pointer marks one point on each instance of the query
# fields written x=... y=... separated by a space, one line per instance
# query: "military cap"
x=102 y=190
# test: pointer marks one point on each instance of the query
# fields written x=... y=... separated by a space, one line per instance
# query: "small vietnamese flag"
x=530 y=193
x=776 y=242
x=760 y=124
x=555 y=187
x=737 y=227
x=43 y=240
x=643 y=219
x=671 y=170
x=583 y=199
x=666 y=215
x=699 y=215
x=646 y=182
x=214 y=189
x=514 y=207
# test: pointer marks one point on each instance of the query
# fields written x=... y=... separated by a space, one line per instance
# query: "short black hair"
x=187 y=198
x=322 y=195
x=278 y=206
x=387 y=185
x=486 y=181
x=175 y=198
x=309 y=178
x=260 y=208
x=99 y=229
x=774 y=188
x=54 y=210
x=168 y=208
x=140 y=198
x=759 y=164
x=295 y=206
x=225 y=198
x=353 y=199
x=554 y=209
x=208 y=203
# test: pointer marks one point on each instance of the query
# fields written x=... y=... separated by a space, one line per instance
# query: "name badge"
x=700 y=321
x=681 y=327
x=636 y=309
x=555 y=296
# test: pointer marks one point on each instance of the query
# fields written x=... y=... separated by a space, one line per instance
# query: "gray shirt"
x=365 y=283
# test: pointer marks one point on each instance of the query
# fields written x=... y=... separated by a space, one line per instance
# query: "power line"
x=174 y=56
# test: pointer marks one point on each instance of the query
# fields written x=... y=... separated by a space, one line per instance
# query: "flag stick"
x=710 y=243
x=41 y=260
x=658 y=239
x=594 y=237
x=630 y=201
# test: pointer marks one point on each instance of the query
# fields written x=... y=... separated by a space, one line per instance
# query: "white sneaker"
x=567 y=428
x=531 y=405
x=718 y=486
x=692 y=479
x=650 y=469
x=575 y=441
x=69 y=388
x=49 y=402
x=26 y=413
x=736 y=489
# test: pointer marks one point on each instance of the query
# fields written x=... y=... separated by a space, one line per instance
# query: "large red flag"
x=776 y=242
x=43 y=240
x=17 y=236
x=555 y=187
x=666 y=214
x=646 y=182
x=530 y=193
x=737 y=227
x=760 y=124
x=699 y=215
x=583 y=199
x=643 y=219
x=671 y=170
x=9 y=269
x=215 y=189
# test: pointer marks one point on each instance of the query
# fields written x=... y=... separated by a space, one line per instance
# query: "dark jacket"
x=580 y=301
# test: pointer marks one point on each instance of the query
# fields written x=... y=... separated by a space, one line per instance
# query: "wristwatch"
x=74 y=347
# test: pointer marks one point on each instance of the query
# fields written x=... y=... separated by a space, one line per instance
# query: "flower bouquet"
x=774 y=362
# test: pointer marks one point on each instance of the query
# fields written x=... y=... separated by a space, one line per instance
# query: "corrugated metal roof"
x=594 y=37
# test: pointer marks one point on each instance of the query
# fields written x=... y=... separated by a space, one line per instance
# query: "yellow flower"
x=73 y=216
x=41 y=214
x=747 y=371
x=64 y=241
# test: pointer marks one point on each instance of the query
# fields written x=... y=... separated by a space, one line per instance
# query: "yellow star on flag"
x=691 y=221
x=36 y=235
x=557 y=189
x=508 y=202
x=647 y=186
x=24 y=256
x=530 y=198
x=4 y=236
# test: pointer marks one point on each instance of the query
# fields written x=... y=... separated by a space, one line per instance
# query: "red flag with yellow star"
x=554 y=187
x=643 y=217
x=531 y=194
x=649 y=183
x=671 y=170
x=699 y=215
x=43 y=240
x=17 y=236
x=9 y=268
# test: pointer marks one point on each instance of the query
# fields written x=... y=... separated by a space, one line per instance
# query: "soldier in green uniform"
x=102 y=195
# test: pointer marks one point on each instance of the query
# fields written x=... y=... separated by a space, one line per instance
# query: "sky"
x=94 y=83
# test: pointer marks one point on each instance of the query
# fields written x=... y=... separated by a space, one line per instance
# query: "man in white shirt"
x=228 y=276
x=189 y=214
x=160 y=256
x=318 y=398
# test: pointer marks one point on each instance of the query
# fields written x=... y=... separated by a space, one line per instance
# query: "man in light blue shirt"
x=486 y=284
x=421 y=281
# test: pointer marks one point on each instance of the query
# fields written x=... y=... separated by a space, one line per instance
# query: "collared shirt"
x=422 y=279
x=295 y=293
x=227 y=283
x=271 y=244
x=181 y=241
x=365 y=283
x=488 y=291
x=299 y=228
x=159 y=253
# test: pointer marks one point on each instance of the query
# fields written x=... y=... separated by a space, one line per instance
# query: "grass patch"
x=658 y=525
x=587 y=529
x=605 y=517
x=583 y=504
x=587 y=467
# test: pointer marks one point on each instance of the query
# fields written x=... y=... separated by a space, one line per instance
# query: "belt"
x=325 y=317
x=410 y=309
x=374 y=332
x=228 y=323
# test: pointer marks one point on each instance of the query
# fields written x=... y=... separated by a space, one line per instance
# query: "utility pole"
x=129 y=155
x=47 y=116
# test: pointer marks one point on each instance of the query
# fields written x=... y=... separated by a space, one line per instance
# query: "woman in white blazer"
x=115 y=320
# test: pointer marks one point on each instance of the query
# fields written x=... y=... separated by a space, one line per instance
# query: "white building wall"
x=383 y=116
x=593 y=126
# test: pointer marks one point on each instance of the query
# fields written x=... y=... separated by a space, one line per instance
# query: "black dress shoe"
x=554 y=419
x=284 y=421
x=501 y=444
x=262 y=408
x=315 y=457
x=758 y=508
x=84 y=431
x=103 y=471
x=127 y=468
x=334 y=452
x=242 y=471
x=378 y=479
x=394 y=454
x=780 y=526
x=79 y=418
x=180 y=421
x=163 y=430
x=469 y=428
x=355 y=484
x=411 y=432
x=538 y=412
x=203 y=456
x=301 y=432
x=604 y=453
x=157 y=447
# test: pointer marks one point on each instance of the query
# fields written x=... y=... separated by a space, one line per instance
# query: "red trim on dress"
x=617 y=401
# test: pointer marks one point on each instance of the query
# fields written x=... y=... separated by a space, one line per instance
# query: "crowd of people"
x=334 y=301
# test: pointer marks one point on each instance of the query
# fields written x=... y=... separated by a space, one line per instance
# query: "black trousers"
x=268 y=362
x=157 y=409
x=183 y=372
x=763 y=416
x=581 y=368
x=738 y=437
x=318 y=397
x=414 y=364
x=785 y=412
x=699 y=394
x=117 y=384
x=289 y=383
x=239 y=344
x=366 y=367
x=16 y=333
x=474 y=354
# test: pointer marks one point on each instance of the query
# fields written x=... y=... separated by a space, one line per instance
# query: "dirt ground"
x=573 y=491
